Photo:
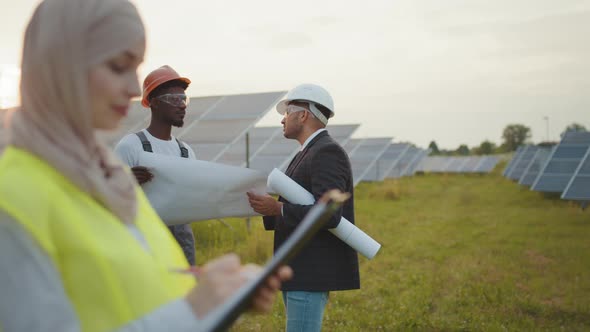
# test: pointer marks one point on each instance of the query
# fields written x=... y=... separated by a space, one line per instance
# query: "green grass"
x=460 y=253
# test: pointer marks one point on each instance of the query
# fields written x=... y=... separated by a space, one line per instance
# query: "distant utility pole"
x=547 y=122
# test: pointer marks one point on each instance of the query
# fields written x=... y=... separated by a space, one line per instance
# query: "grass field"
x=460 y=253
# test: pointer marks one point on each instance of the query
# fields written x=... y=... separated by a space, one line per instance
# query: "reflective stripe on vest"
x=108 y=276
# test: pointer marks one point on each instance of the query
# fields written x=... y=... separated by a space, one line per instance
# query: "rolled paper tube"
x=346 y=231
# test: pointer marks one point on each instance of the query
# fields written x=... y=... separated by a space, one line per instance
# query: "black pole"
x=248 y=166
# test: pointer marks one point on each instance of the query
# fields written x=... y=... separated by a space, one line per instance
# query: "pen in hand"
x=196 y=271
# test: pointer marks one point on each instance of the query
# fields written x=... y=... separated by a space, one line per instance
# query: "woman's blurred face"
x=112 y=84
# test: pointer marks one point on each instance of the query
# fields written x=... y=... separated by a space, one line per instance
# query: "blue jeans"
x=305 y=310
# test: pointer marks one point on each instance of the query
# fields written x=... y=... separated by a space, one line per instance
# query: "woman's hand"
x=223 y=276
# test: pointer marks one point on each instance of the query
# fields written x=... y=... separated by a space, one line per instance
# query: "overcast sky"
x=454 y=71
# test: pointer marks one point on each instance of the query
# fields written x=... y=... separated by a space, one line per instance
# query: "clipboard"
x=221 y=318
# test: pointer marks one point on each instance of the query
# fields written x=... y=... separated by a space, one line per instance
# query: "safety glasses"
x=294 y=109
x=174 y=99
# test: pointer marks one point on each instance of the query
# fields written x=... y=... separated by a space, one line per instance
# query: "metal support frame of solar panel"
x=366 y=154
x=578 y=188
x=523 y=162
x=532 y=171
x=279 y=151
x=562 y=163
x=386 y=162
x=411 y=168
x=242 y=152
x=512 y=161
x=406 y=159
x=225 y=122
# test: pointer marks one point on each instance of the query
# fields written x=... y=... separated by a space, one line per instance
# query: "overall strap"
x=147 y=146
x=183 y=150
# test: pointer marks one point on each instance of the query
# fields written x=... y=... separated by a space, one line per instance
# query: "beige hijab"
x=63 y=40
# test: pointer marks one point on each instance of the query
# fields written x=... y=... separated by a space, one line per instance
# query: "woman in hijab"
x=80 y=246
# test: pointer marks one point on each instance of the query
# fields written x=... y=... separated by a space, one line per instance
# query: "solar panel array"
x=563 y=169
x=365 y=155
x=387 y=161
x=406 y=165
x=526 y=156
x=578 y=189
x=265 y=148
x=562 y=163
x=223 y=129
x=513 y=160
x=487 y=164
x=443 y=164
x=532 y=171
x=225 y=121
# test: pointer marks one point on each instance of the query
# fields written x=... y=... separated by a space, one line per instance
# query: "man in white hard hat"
x=326 y=263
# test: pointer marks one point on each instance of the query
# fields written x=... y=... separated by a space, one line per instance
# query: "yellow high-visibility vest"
x=108 y=276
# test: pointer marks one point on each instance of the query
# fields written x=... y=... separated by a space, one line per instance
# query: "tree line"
x=513 y=136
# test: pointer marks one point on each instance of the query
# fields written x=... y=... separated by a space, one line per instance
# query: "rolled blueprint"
x=185 y=190
x=346 y=231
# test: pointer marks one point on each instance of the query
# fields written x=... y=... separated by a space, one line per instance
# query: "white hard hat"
x=308 y=92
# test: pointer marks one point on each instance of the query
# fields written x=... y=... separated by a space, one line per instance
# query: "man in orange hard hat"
x=164 y=93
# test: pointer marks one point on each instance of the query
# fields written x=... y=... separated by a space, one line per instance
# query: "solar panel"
x=426 y=164
x=411 y=168
x=523 y=162
x=342 y=133
x=532 y=171
x=467 y=161
x=139 y=117
x=224 y=121
x=472 y=164
x=352 y=145
x=455 y=164
x=405 y=161
x=278 y=151
x=578 y=188
x=487 y=164
x=562 y=163
x=247 y=148
x=386 y=162
x=515 y=158
x=365 y=155
x=435 y=164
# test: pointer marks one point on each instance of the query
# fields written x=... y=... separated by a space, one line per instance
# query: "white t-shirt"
x=129 y=148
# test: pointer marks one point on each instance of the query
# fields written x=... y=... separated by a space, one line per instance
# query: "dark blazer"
x=326 y=263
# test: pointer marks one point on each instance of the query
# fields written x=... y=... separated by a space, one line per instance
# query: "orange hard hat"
x=158 y=77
